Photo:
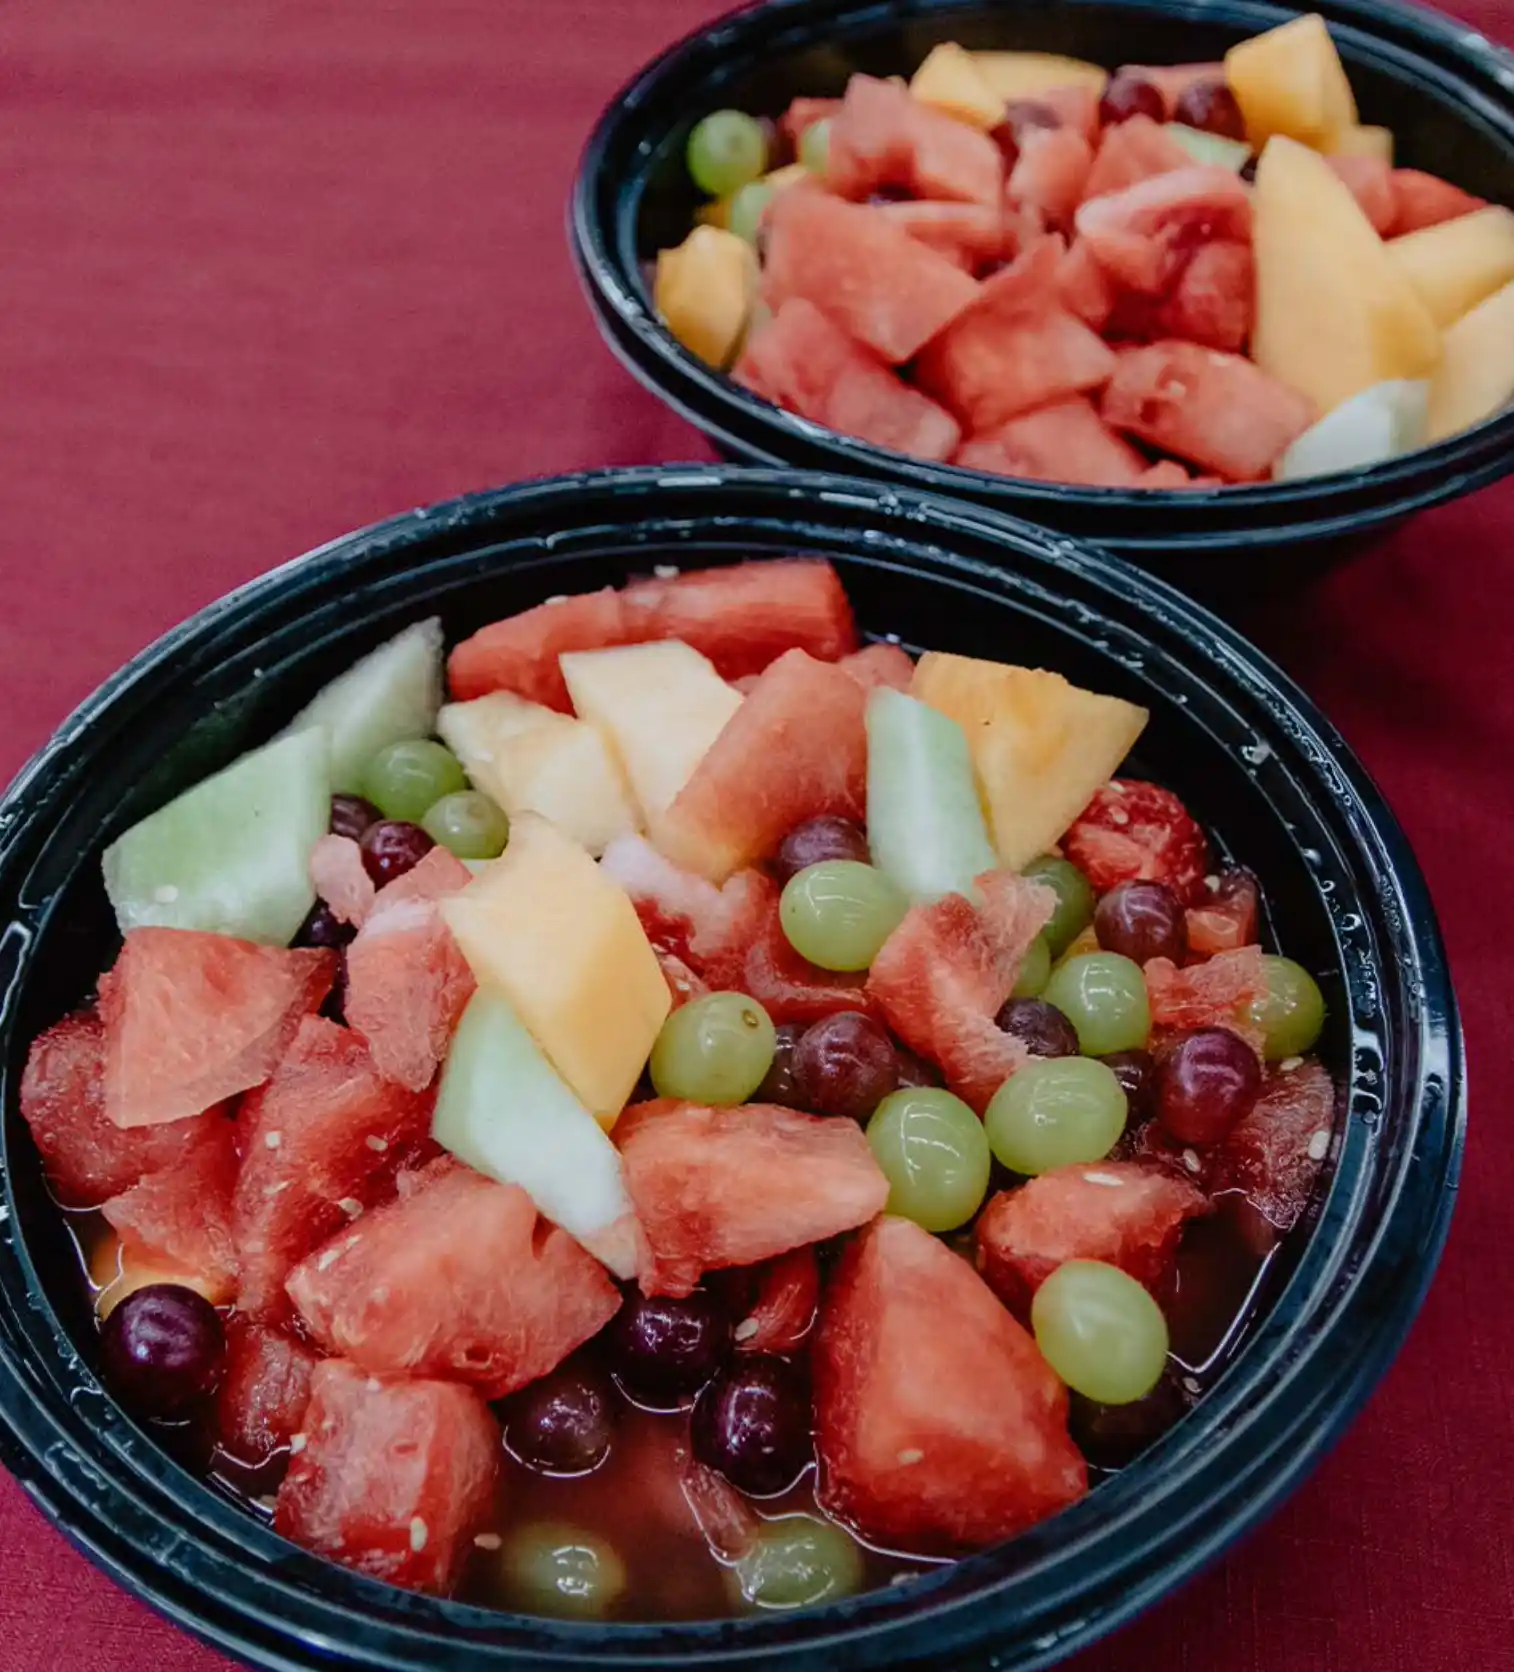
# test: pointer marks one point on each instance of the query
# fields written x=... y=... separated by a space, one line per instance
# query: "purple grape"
x=162 y=1349
x=1205 y=1082
x=351 y=816
x=1136 y=1072
x=1211 y=107
x=1131 y=95
x=778 y=1084
x=562 y=1424
x=752 y=1425
x=817 y=840
x=322 y=927
x=664 y=1349
x=1141 y=921
x=844 y=1065
x=1044 y=1029
x=391 y=847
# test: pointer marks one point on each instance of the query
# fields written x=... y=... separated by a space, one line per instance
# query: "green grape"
x=839 y=912
x=1055 y=1112
x=1104 y=997
x=1291 y=1012
x=747 y=209
x=796 y=1562
x=552 y=1568
x=1034 y=970
x=469 y=824
x=716 y=1050
x=934 y=1153
x=406 y=779
x=815 y=147
x=726 y=151
x=1074 y=900
x=1100 y=1331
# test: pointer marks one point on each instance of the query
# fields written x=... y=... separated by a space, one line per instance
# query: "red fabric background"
x=274 y=269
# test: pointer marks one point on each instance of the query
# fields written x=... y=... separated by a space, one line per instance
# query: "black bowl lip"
x=599 y=224
x=169 y=1539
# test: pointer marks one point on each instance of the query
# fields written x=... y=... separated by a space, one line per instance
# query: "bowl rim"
x=170 y=1539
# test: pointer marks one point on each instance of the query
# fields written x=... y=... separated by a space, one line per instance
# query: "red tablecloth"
x=274 y=269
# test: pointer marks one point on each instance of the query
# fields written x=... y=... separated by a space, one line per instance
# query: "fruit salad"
x=711 y=1116
x=1175 y=277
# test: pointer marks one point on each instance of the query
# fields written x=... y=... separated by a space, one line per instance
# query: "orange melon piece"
x=1364 y=140
x=117 y=1270
x=704 y=291
x=1027 y=75
x=1455 y=265
x=1476 y=373
x=1291 y=81
x=951 y=80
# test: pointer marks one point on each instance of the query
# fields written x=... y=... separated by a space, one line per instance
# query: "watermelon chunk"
x=1422 y=200
x=1215 y=994
x=796 y=749
x=804 y=363
x=1051 y=172
x=407 y=981
x=264 y=1393
x=1015 y=348
x=341 y=878
x=943 y=974
x=968 y=233
x=1218 y=411
x=1271 y=1158
x=454 y=1279
x=1077 y=105
x=322 y=1142
x=1132 y=151
x=939 y=1425
x=1225 y=915
x=788 y=987
x=1167 y=473
x=881 y=137
x=786 y=1305
x=880 y=664
x=394 y=1477
x=1083 y=286
x=1143 y=235
x=729 y=1187
x=1134 y=831
x=1066 y=441
x=181 y=1213
x=1125 y=1214
x=1371 y=182
x=192 y=1018
x=802 y=115
x=881 y=286
x=1212 y=302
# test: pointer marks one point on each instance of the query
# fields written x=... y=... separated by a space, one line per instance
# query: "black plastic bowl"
x=1447 y=93
x=1244 y=748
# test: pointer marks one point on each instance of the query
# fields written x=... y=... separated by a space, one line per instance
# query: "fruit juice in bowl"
x=627 y=1105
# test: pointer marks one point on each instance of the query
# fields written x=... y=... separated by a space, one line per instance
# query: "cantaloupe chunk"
x=546 y=928
x=1455 y=265
x=1040 y=745
x=1362 y=141
x=1476 y=372
x=1291 y=81
x=1334 y=311
x=1026 y=75
x=952 y=80
x=704 y=290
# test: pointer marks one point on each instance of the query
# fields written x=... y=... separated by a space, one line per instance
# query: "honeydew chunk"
x=1209 y=148
x=952 y=80
x=1379 y=423
x=1453 y=266
x=1476 y=373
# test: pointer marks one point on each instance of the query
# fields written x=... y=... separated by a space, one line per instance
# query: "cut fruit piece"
x=1225 y=915
x=1144 y=235
x=969 y=233
x=1051 y=172
x=796 y=749
x=394 y=1479
x=530 y=759
x=952 y=80
x=1425 y=200
x=1120 y=1212
x=520 y=653
x=802 y=115
x=388 y=697
x=1066 y=441
x=1130 y=152
x=451 y=1279
x=807 y=364
x=1211 y=303
x=924 y=821
x=1027 y=75
x=191 y=1019
x=504 y=1110
x=116 y=1271
x=1040 y=746
x=939 y=1425
x=1212 y=149
x=660 y=706
x=1370 y=181
x=341 y=879
x=785 y=1307
x=882 y=287
x=1218 y=993
x=1457 y=263
x=880 y=664
x=1076 y=107
x=1334 y=312
x=1290 y=81
x=1362 y=141
x=1379 y=423
x=730 y=1187
x=231 y=855
x=1132 y=831
x=883 y=138
x=545 y=928
x=264 y=1393
x=181 y=1214
x=704 y=290
x=1273 y=1155
x=322 y=1142
x=1172 y=81
x=1083 y=286
x=1218 y=411
x=1475 y=377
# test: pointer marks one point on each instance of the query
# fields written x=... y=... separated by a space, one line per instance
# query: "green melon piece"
x=391 y=695
x=232 y=855
x=1210 y=148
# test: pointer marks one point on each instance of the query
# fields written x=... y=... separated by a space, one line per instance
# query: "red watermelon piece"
x=264 y=1393
x=939 y=1426
x=1215 y=994
x=730 y=1187
x=1083 y=286
x=1134 y=831
x=881 y=286
x=1066 y=441
x=796 y=749
x=969 y=234
x=1076 y=106
x=1218 y=411
x=1165 y=473
x=1143 y=235
x=942 y=975
x=788 y=987
x=881 y=137
x=520 y=653
x=786 y=1305
x=1423 y=200
x=1371 y=182
x=1051 y=172
x=181 y=1214
x=802 y=115
x=880 y=664
x=1212 y=302
x=1225 y=915
x=454 y=1279
x=804 y=363
x=1122 y=1213
x=191 y=1019
x=1132 y=151
x=340 y=877
x=1271 y=1158
x=322 y=1143
x=394 y=1477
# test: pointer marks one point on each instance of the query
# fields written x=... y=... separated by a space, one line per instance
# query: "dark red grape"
x=1045 y=1030
x=1211 y=107
x=562 y=1424
x=915 y=1070
x=162 y=1349
x=816 y=840
x=1136 y=1072
x=844 y=1065
x=1111 y=1436
x=752 y=1424
x=1131 y=95
x=391 y=847
x=351 y=816
x=322 y=927
x=778 y=1084
x=664 y=1349
x=1205 y=1082
x=1140 y=921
